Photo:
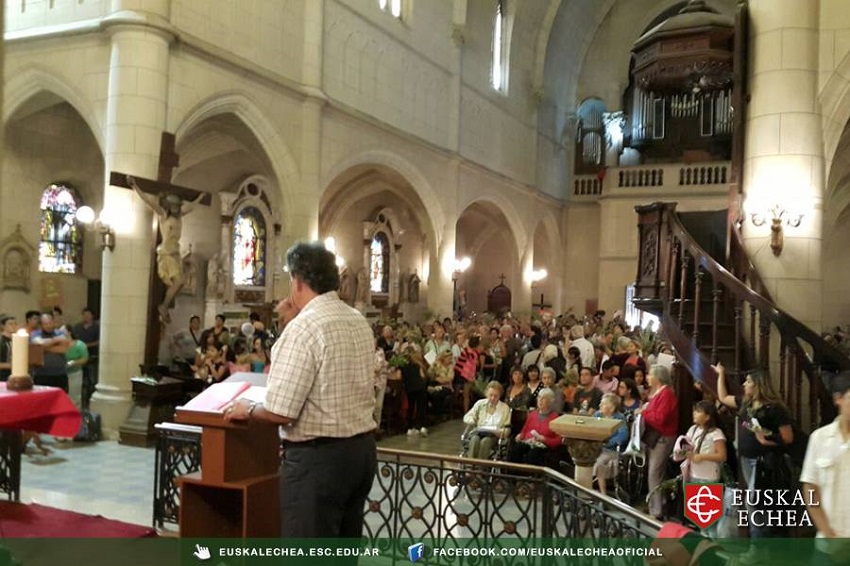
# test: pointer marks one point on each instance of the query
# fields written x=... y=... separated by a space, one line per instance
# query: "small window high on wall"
x=391 y=6
x=499 y=66
x=249 y=248
x=60 y=248
x=379 y=265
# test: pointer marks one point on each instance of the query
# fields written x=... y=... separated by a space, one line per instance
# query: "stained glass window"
x=249 y=248
x=380 y=264
x=60 y=248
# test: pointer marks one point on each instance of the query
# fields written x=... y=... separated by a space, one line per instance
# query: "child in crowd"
x=709 y=452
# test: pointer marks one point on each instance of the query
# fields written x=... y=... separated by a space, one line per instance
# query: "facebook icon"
x=416 y=551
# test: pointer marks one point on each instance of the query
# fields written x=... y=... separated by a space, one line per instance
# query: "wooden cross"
x=502 y=279
x=168 y=161
x=541 y=305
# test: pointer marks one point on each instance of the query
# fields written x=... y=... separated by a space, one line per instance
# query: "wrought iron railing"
x=11 y=446
x=419 y=495
x=178 y=452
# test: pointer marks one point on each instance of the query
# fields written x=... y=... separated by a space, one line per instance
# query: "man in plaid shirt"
x=321 y=393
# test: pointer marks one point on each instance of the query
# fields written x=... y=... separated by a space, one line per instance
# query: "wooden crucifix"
x=170 y=203
x=541 y=305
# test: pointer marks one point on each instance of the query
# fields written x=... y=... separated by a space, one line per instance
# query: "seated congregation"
x=510 y=379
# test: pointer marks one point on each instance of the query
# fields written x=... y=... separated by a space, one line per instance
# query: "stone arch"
x=506 y=207
x=26 y=83
x=435 y=216
x=276 y=150
x=550 y=226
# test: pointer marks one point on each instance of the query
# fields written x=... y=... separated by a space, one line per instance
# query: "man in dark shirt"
x=8 y=326
x=89 y=332
x=54 y=372
x=587 y=396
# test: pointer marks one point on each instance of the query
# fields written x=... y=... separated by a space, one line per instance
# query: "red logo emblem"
x=703 y=503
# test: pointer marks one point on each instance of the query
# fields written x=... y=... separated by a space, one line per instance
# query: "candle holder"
x=19 y=383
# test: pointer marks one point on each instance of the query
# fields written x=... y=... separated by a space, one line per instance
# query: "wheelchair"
x=499 y=450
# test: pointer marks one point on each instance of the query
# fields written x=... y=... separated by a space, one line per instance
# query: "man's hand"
x=286 y=310
x=721 y=371
x=237 y=411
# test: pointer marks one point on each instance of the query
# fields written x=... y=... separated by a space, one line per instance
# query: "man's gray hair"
x=577 y=332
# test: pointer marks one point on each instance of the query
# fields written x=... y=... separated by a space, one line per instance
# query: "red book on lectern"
x=215 y=397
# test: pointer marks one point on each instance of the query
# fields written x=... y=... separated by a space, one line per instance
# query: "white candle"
x=20 y=353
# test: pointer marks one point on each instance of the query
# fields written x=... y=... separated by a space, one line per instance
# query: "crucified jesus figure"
x=170 y=210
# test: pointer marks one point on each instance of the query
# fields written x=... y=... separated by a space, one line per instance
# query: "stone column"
x=440 y=273
x=522 y=283
x=135 y=119
x=784 y=162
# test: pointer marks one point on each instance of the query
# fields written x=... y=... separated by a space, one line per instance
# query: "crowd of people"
x=70 y=351
x=213 y=354
x=528 y=373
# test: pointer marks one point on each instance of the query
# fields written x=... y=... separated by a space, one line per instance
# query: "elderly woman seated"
x=536 y=438
x=487 y=421
x=606 y=465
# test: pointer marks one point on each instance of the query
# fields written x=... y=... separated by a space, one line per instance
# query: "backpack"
x=89 y=427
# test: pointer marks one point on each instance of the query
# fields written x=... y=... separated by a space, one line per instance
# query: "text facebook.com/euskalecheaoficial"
x=531 y=552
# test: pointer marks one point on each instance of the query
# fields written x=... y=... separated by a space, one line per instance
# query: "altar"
x=40 y=409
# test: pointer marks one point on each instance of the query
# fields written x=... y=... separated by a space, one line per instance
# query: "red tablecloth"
x=41 y=409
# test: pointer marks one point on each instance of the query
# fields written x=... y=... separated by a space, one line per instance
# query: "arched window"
x=391 y=6
x=499 y=70
x=379 y=268
x=249 y=248
x=60 y=248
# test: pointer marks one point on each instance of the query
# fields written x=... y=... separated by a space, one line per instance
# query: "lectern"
x=236 y=494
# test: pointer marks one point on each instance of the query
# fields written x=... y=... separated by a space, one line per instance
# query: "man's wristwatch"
x=251 y=407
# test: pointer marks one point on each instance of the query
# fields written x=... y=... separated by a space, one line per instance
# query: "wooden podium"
x=237 y=492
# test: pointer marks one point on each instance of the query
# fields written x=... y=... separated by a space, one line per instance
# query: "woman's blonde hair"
x=497 y=386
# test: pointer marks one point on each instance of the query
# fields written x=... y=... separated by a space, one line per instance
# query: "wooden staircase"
x=714 y=310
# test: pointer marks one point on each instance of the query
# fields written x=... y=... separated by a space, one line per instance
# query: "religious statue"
x=364 y=295
x=402 y=287
x=346 y=285
x=215 y=277
x=413 y=288
x=170 y=210
x=190 y=271
x=16 y=272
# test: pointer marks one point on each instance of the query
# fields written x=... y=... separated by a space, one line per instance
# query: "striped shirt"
x=322 y=372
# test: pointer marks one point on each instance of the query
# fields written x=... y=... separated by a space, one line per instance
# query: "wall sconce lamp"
x=86 y=216
x=777 y=216
x=538 y=275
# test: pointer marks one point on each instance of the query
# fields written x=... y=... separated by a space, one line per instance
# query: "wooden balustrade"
x=674 y=267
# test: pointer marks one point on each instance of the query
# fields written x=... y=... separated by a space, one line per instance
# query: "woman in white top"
x=489 y=420
x=709 y=444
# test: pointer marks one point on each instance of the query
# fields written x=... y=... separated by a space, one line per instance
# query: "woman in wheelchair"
x=536 y=438
x=487 y=421
x=606 y=465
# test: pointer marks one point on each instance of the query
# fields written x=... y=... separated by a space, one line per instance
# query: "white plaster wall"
x=618 y=240
x=581 y=256
x=49 y=146
x=24 y=14
x=383 y=69
x=268 y=33
x=199 y=88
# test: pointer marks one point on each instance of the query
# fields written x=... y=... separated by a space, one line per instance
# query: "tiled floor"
x=116 y=481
